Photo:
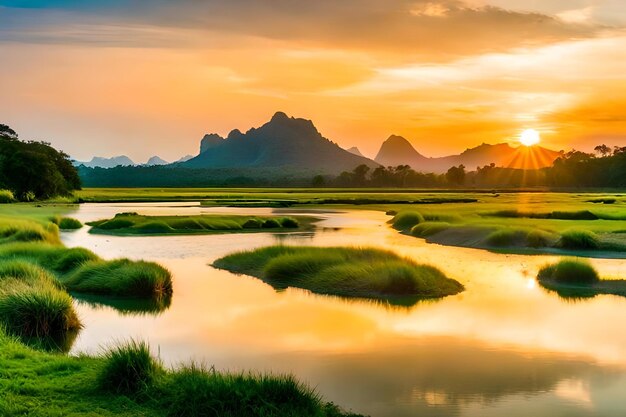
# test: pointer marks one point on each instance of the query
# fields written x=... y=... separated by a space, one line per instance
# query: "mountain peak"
x=355 y=151
x=209 y=141
x=279 y=116
x=155 y=160
x=397 y=150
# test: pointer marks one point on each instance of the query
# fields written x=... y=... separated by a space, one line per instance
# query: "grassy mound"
x=579 y=239
x=68 y=223
x=36 y=310
x=348 y=272
x=569 y=271
x=129 y=369
x=134 y=224
x=429 y=228
x=405 y=220
x=121 y=277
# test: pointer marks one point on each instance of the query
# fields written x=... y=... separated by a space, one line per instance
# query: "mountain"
x=99 y=162
x=286 y=143
x=155 y=160
x=184 y=159
x=355 y=151
x=209 y=141
x=398 y=151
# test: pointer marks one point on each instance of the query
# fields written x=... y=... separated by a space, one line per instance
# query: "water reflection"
x=505 y=346
x=126 y=306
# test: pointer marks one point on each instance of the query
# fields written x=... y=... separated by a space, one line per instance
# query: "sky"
x=151 y=77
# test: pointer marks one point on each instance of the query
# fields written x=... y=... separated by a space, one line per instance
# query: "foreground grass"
x=128 y=381
x=347 y=272
x=578 y=278
x=134 y=224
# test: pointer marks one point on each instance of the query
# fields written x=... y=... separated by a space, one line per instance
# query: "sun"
x=529 y=137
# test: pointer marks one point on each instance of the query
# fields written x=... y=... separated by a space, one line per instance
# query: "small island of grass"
x=135 y=224
x=346 y=272
x=578 y=278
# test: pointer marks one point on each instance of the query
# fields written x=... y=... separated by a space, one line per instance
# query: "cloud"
x=436 y=29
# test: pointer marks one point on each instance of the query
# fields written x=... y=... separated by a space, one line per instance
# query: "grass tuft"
x=129 y=369
x=68 y=223
x=569 y=271
x=270 y=224
x=579 y=239
x=405 y=220
x=429 y=228
x=6 y=197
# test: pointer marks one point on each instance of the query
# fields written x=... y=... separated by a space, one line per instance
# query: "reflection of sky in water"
x=502 y=347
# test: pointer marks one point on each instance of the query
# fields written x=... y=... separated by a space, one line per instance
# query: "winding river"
x=504 y=347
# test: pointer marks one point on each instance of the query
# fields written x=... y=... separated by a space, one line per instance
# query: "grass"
x=579 y=239
x=129 y=368
x=68 y=223
x=406 y=220
x=121 y=277
x=134 y=224
x=341 y=271
x=569 y=271
x=575 y=278
x=39 y=383
x=426 y=229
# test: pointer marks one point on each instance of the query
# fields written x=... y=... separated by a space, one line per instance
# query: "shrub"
x=579 y=239
x=429 y=228
x=121 y=277
x=36 y=310
x=68 y=223
x=252 y=224
x=129 y=369
x=406 y=219
x=569 y=271
x=270 y=224
x=289 y=223
x=6 y=197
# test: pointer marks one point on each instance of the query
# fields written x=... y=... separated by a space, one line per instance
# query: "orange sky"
x=152 y=77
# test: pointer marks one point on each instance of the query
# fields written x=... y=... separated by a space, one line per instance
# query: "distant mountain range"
x=283 y=143
x=396 y=150
x=293 y=146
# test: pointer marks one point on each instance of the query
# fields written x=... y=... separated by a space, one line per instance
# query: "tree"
x=603 y=150
x=456 y=175
x=318 y=181
x=34 y=168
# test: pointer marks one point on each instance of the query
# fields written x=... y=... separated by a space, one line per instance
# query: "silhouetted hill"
x=155 y=160
x=209 y=141
x=184 y=159
x=284 y=142
x=100 y=162
x=355 y=151
x=398 y=151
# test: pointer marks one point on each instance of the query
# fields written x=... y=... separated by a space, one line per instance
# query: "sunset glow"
x=126 y=77
x=529 y=137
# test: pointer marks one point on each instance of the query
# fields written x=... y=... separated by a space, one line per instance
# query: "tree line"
x=34 y=170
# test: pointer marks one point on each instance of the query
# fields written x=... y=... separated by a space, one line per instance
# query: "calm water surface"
x=504 y=347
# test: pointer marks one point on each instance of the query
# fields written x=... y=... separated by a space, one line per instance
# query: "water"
x=504 y=347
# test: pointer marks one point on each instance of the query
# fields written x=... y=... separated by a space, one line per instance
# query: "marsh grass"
x=121 y=277
x=129 y=369
x=579 y=239
x=429 y=228
x=38 y=310
x=134 y=224
x=347 y=272
x=405 y=220
x=68 y=223
x=569 y=271
x=506 y=237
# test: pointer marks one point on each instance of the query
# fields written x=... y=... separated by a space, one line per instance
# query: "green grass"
x=134 y=224
x=39 y=383
x=129 y=369
x=579 y=239
x=429 y=228
x=406 y=220
x=569 y=271
x=575 y=278
x=341 y=271
x=121 y=277
x=68 y=223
